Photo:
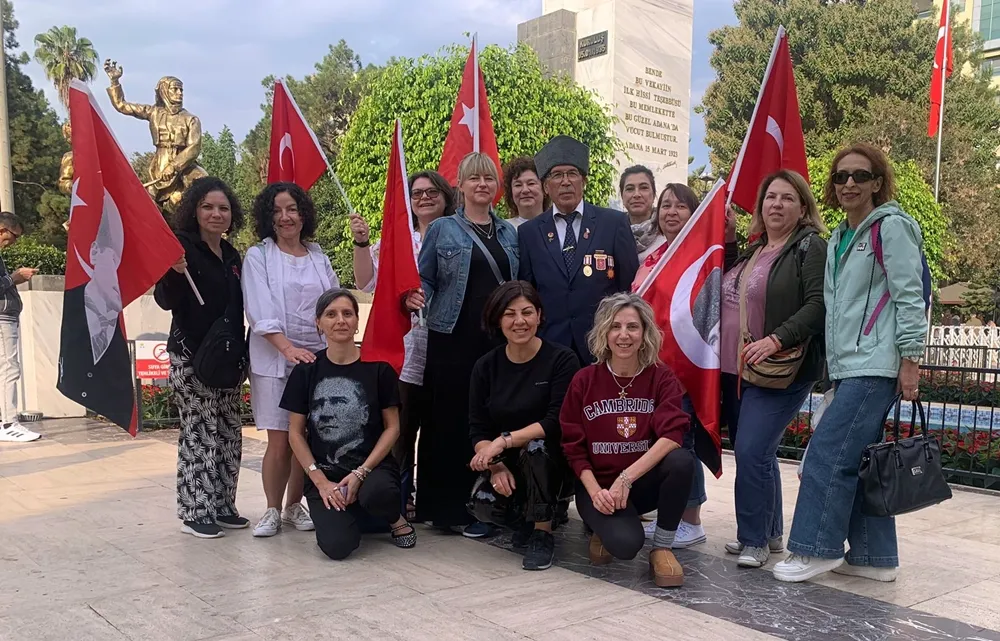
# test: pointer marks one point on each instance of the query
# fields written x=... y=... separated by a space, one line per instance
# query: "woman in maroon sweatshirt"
x=622 y=430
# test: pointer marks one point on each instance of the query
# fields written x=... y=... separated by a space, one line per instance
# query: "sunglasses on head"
x=860 y=177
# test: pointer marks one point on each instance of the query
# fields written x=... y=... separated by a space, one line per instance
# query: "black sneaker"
x=202 y=530
x=232 y=522
x=541 y=550
x=519 y=540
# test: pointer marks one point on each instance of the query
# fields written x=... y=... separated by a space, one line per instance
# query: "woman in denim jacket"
x=876 y=325
x=462 y=260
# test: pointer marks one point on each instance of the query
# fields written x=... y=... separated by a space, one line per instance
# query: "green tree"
x=915 y=197
x=980 y=300
x=140 y=162
x=36 y=142
x=528 y=109
x=862 y=71
x=219 y=156
x=65 y=58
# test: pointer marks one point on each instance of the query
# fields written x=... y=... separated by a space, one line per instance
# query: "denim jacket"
x=444 y=262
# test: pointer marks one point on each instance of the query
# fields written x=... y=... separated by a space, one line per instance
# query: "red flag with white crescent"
x=943 y=67
x=119 y=245
x=471 y=124
x=685 y=292
x=774 y=138
x=295 y=153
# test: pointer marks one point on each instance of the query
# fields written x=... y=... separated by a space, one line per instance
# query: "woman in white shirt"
x=283 y=276
x=522 y=191
x=431 y=197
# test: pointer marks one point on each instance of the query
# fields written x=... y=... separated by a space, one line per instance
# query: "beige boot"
x=667 y=571
x=598 y=555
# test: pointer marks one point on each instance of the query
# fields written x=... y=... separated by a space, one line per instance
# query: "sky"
x=222 y=49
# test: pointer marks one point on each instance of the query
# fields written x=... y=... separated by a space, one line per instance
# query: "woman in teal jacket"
x=876 y=326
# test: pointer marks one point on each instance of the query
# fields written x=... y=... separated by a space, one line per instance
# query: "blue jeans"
x=697 y=495
x=828 y=509
x=763 y=416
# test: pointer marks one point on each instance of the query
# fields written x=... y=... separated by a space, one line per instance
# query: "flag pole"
x=194 y=288
x=944 y=79
x=340 y=188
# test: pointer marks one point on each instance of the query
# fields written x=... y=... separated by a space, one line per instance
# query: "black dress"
x=444 y=479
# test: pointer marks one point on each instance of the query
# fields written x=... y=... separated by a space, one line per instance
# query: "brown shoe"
x=667 y=572
x=598 y=554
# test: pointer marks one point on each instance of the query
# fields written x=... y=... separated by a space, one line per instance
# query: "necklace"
x=623 y=389
x=478 y=227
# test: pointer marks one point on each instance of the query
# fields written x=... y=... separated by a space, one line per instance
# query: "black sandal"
x=407 y=540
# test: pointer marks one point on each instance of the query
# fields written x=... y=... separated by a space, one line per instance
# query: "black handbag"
x=222 y=360
x=903 y=475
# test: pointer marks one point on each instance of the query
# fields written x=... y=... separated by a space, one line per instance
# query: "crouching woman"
x=623 y=429
x=344 y=420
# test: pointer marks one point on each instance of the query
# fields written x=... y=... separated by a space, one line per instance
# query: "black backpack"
x=223 y=358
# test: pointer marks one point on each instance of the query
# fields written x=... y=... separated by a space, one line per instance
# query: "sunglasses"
x=431 y=194
x=860 y=177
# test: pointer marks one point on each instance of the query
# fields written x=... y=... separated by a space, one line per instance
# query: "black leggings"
x=412 y=414
x=338 y=533
x=541 y=480
x=665 y=487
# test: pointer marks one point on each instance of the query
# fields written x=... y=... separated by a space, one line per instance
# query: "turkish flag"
x=943 y=63
x=296 y=156
x=774 y=139
x=118 y=247
x=388 y=322
x=685 y=290
x=471 y=125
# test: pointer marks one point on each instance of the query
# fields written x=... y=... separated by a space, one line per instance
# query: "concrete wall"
x=41 y=321
x=553 y=37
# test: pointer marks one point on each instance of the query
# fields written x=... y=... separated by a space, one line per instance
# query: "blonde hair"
x=652 y=338
x=810 y=218
x=477 y=164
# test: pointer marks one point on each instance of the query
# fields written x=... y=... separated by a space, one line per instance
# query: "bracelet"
x=361 y=475
x=363 y=243
x=777 y=343
x=366 y=470
x=626 y=481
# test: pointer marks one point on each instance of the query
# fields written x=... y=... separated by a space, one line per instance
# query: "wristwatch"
x=362 y=244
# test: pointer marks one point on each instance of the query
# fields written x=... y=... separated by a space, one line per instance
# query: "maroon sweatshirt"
x=604 y=433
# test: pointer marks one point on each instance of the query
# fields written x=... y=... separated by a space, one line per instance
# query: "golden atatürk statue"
x=66 y=164
x=176 y=135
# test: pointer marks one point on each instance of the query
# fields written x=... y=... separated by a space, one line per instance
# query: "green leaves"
x=64 y=57
x=528 y=109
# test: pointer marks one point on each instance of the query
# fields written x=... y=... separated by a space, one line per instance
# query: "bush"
x=30 y=253
x=159 y=411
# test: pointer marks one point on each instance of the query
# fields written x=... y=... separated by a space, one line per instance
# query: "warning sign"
x=151 y=360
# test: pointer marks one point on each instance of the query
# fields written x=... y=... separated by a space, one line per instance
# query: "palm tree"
x=65 y=58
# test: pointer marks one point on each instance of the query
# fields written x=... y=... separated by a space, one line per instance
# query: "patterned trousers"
x=209 y=448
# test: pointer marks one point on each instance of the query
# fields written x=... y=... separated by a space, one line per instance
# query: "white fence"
x=965 y=346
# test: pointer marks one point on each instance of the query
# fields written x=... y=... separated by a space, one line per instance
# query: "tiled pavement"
x=90 y=548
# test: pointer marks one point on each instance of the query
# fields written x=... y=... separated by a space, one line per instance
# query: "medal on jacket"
x=588 y=271
x=611 y=267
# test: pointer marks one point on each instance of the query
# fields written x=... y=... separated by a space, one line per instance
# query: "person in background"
x=780 y=281
x=11 y=430
x=344 y=419
x=623 y=433
x=431 y=197
x=463 y=259
x=523 y=191
x=210 y=443
x=514 y=401
x=638 y=190
x=876 y=326
x=674 y=208
x=576 y=253
x=283 y=275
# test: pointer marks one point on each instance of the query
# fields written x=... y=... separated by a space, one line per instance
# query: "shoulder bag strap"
x=467 y=226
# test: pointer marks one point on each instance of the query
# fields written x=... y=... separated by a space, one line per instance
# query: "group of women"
x=511 y=428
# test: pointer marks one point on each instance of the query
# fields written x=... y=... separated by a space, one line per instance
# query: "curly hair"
x=511 y=172
x=263 y=210
x=652 y=337
x=186 y=216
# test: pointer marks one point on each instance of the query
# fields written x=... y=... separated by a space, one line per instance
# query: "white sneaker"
x=885 y=575
x=797 y=568
x=688 y=535
x=16 y=433
x=297 y=516
x=649 y=528
x=775 y=545
x=269 y=524
x=752 y=557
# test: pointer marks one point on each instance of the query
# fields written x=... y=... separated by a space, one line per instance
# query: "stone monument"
x=636 y=55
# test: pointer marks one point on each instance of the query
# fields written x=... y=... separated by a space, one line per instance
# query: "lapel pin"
x=551 y=236
x=586 y=233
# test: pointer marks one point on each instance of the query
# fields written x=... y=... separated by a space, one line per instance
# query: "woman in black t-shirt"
x=344 y=420
x=515 y=396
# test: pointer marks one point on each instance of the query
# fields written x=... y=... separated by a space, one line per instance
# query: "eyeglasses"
x=559 y=176
x=860 y=177
x=431 y=193
x=13 y=233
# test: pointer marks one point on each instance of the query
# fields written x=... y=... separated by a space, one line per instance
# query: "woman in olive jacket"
x=780 y=279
